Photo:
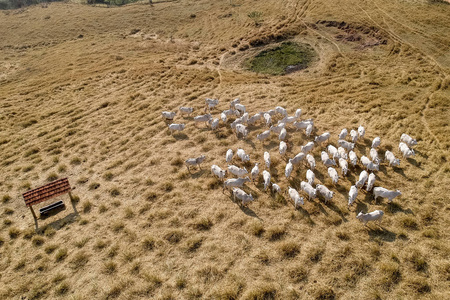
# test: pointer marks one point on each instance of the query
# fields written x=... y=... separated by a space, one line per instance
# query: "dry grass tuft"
x=289 y=249
x=261 y=291
x=274 y=233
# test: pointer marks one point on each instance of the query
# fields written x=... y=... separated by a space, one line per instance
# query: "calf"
x=376 y=215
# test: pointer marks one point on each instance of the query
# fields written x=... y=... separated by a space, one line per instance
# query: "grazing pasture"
x=82 y=92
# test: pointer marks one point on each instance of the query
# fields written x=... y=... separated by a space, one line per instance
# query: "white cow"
x=298 y=113
x=325 y=192
x=308 y=189
x=390 y=157
x=376 y=215
x=168 y=115
x=303 y=124
x=242 y=155
x=281 y=110
x=322 y=138
x=344 y=166
x=214 y=123
x=354 y=135
x=217 y=171
x=347 y=145
x=311 y=161
x=374 y=155
x=309 y=130
x=267 y=159
x=176 y=127
x=235 y=182
x=234 y=102
x=202 y=118
x=186 y=110
x=282 y=135
x=370 y=182
x=353 y=158
x=268 y=119
x=229 y=155
x=278 y=128
x=243 y=196
x=239 y=172
x=310 y=177
x=283 y=148
x=326 y=159
x=252 y=120
x=342 y=153
x=307 y=148
x=333 y=175
x=298 y=158
x=333 y=151
x=343 y=134
x=288 y=169
x=352 y=194
x=404 y=149
x=295 y=196
x=194 y=161
x=276 y=188
x=266 y=177
x=242 y=130
x=240 y=107
x=408 y=140
x=362 y=179
x=385 y=193
x=361 y=131
x=255 y=172
x=376 y=142
x=263 y=136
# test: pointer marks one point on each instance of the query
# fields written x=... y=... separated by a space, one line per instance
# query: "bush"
x=62 y=289
x=61 y=254
x=52 y=176
x=110 y=267
x=275 y=233
x=148 y=243
x=6 y=198
x=37 y=241
x=14 y=232
x=202 y=224
x=289 y=249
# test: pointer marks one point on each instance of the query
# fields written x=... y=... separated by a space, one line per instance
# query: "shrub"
x=6 y=198
x=118 y=226
x=9 y=211
x=289 y=249
x=264 y=291
x=52 y=176
x=62 y=168
x=193 y=244
x=28 y=233
x=62 y=289
x=37 y=241
x=102 y=208
x=409 y=222
x=418 y=261
x=50 y=248
x=315 y=254
x=49 y=231
x=298 y=273
x=94 y=186
x=75 y=161
x=174 y=236
x=167 y=186
x=129 y=213
x=274 y=233
x=180 y=282
x=202 y=224
x=114 y=192
x=256 y=228
x=108 y=176
x=148 y=243
x=61 y=254
x=14 y=232
x=87 y=206
x=81 y=243
x=79 y=260
x=110 y=267
x=390 y=274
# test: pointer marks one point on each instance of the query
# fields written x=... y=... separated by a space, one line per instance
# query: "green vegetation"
x=285 y=58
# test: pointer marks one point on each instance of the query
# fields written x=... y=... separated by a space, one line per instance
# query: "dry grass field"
x=82 y=89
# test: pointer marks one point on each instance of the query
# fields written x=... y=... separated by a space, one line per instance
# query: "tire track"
x=398 y=39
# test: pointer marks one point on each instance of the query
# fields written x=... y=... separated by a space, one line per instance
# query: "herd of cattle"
x=331 y=156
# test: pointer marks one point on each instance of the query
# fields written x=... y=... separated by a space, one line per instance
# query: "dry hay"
x=81 y=96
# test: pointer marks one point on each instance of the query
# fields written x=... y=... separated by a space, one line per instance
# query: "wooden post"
x=32 y=211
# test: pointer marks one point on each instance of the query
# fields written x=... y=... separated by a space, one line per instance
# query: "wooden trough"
x=46 y=192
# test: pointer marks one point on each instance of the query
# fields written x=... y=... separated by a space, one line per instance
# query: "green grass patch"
x=285 y=58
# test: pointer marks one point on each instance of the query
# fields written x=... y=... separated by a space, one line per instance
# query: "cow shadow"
x=180 y=136
x=399 y=171
x=337 y=210
x=394 y=207
x=381 y=233
x=197 y=174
